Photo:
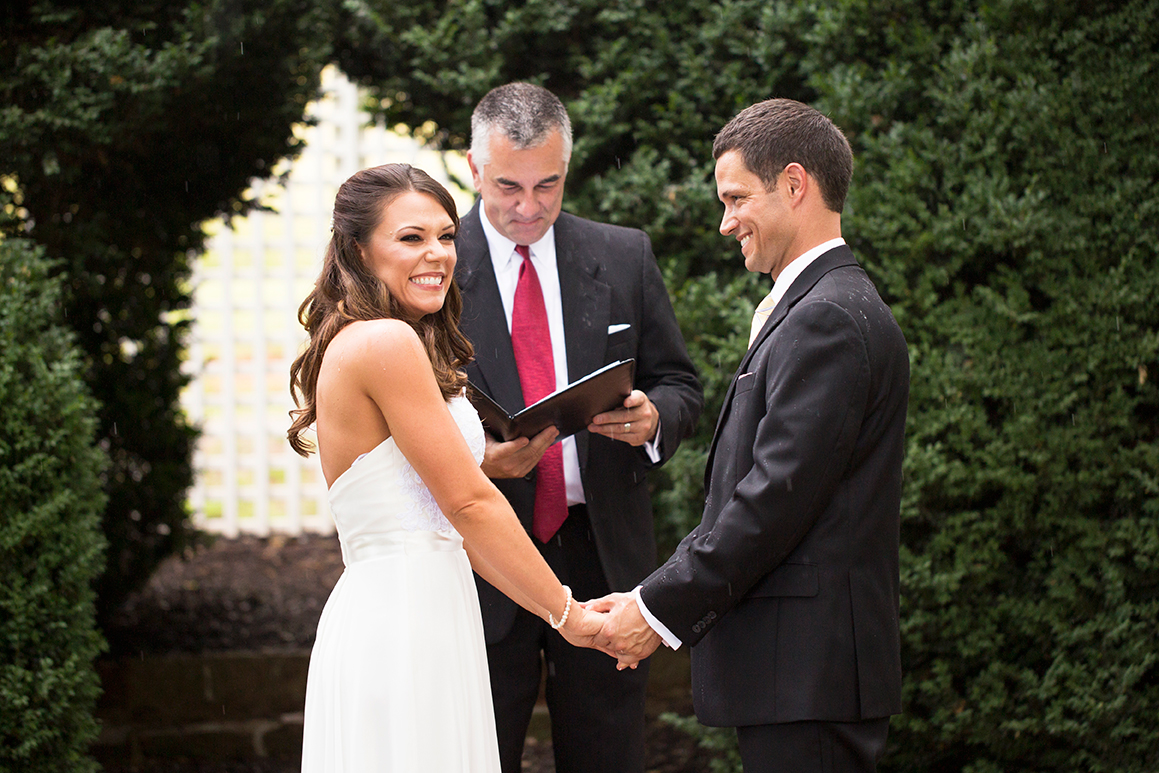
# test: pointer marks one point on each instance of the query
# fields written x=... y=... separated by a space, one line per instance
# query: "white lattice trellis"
x=247 y=290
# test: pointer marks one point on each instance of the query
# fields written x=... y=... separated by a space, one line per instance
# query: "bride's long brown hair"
x=346 y=291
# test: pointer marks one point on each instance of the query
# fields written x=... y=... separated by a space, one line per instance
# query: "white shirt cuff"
x=652 y=447
x=668 y=637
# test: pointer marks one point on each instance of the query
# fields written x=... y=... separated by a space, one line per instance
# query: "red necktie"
x=531 y=339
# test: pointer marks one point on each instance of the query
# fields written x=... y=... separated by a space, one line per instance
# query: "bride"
x=398 y=676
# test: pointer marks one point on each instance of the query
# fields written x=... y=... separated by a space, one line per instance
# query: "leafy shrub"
x=51 y=546
x=1007 y=199
x=125 y=126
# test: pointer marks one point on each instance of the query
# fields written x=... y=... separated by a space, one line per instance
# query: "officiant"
x=547 y=299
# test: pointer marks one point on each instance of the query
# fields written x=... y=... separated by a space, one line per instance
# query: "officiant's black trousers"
x=597 y=712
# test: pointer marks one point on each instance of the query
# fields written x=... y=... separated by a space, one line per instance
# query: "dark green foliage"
x=1005 y=200
x=715 y=315
x=51 y=547
x=1005 y=197
x=721 y=741
x=647 y=87
x=124 y=126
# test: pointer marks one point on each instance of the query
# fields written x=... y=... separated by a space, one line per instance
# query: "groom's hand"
x=516 y=458
x=626 y=633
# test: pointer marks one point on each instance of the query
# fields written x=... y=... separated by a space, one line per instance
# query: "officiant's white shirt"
x=506 y=262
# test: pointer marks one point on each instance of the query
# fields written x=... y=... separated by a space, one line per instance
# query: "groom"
x=787 y=591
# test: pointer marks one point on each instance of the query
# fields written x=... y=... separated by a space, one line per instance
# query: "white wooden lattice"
x=247 y=289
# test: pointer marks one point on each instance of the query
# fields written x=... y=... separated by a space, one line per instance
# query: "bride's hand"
x=583 y=626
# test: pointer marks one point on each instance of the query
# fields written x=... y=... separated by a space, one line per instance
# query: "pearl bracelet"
x=566 y=611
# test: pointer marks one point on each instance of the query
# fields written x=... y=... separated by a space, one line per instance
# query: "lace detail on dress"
x=425 y=514
x=472 y=428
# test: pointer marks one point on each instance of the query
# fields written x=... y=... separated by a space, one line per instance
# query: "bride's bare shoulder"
x=375 y=341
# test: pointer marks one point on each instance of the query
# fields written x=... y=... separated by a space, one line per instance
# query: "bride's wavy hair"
x=346 y=291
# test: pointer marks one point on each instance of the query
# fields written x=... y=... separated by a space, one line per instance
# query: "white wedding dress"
x=398 y=676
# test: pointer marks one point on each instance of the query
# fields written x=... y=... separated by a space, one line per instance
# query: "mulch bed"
x=255 y=593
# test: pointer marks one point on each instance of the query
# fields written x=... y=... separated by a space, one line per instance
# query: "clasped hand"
x=613 y=625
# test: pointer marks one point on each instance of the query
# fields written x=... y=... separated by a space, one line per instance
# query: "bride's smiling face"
x=412 y=250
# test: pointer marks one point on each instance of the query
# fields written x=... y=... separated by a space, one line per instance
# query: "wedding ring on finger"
x=627 y=426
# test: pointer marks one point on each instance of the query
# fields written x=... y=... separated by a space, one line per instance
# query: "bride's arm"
x=583 y=635
x=388 y=364
x=491 y=575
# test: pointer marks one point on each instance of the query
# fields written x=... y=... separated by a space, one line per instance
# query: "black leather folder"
x=571 y=408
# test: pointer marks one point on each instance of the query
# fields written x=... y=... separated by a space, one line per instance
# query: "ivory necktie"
x=761 y=316
x=531 y=340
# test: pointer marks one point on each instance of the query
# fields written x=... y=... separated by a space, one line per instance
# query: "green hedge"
x=1007 y=200
x=51 y=547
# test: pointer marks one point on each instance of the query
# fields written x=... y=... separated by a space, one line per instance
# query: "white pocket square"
x=618 y=328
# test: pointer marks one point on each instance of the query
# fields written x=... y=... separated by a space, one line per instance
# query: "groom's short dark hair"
x=772 y=134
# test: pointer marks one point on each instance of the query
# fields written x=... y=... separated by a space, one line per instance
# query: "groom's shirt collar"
x=786 y=278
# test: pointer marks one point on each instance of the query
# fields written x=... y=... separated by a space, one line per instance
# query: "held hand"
x=583 y=627
x=634 y=424
x=515 y=458
x=626 y=634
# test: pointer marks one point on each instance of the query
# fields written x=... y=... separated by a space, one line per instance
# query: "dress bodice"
x=381 y=506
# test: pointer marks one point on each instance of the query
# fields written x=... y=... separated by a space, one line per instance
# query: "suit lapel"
x=586 y=303
x=835 y=258
x=483 y=315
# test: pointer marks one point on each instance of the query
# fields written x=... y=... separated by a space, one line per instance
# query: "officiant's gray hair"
x=523 y=113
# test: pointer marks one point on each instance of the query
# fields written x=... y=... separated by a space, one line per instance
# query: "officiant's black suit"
x=608 y=278
x=788 y=589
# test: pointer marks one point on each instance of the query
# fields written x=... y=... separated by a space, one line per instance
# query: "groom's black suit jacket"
x=788 y=588
x=608 y=277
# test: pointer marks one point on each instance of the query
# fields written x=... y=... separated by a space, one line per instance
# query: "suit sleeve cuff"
x=652 y=447
x=668 y=637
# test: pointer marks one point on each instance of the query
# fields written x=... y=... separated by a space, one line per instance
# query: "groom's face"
x=758 y=218
x=522 y=189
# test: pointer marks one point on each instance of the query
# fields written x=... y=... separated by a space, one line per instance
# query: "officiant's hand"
x=626 y=634
x=634 y=424
x=516 y=458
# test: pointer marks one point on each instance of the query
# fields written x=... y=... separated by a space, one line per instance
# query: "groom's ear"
x=796 y=180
